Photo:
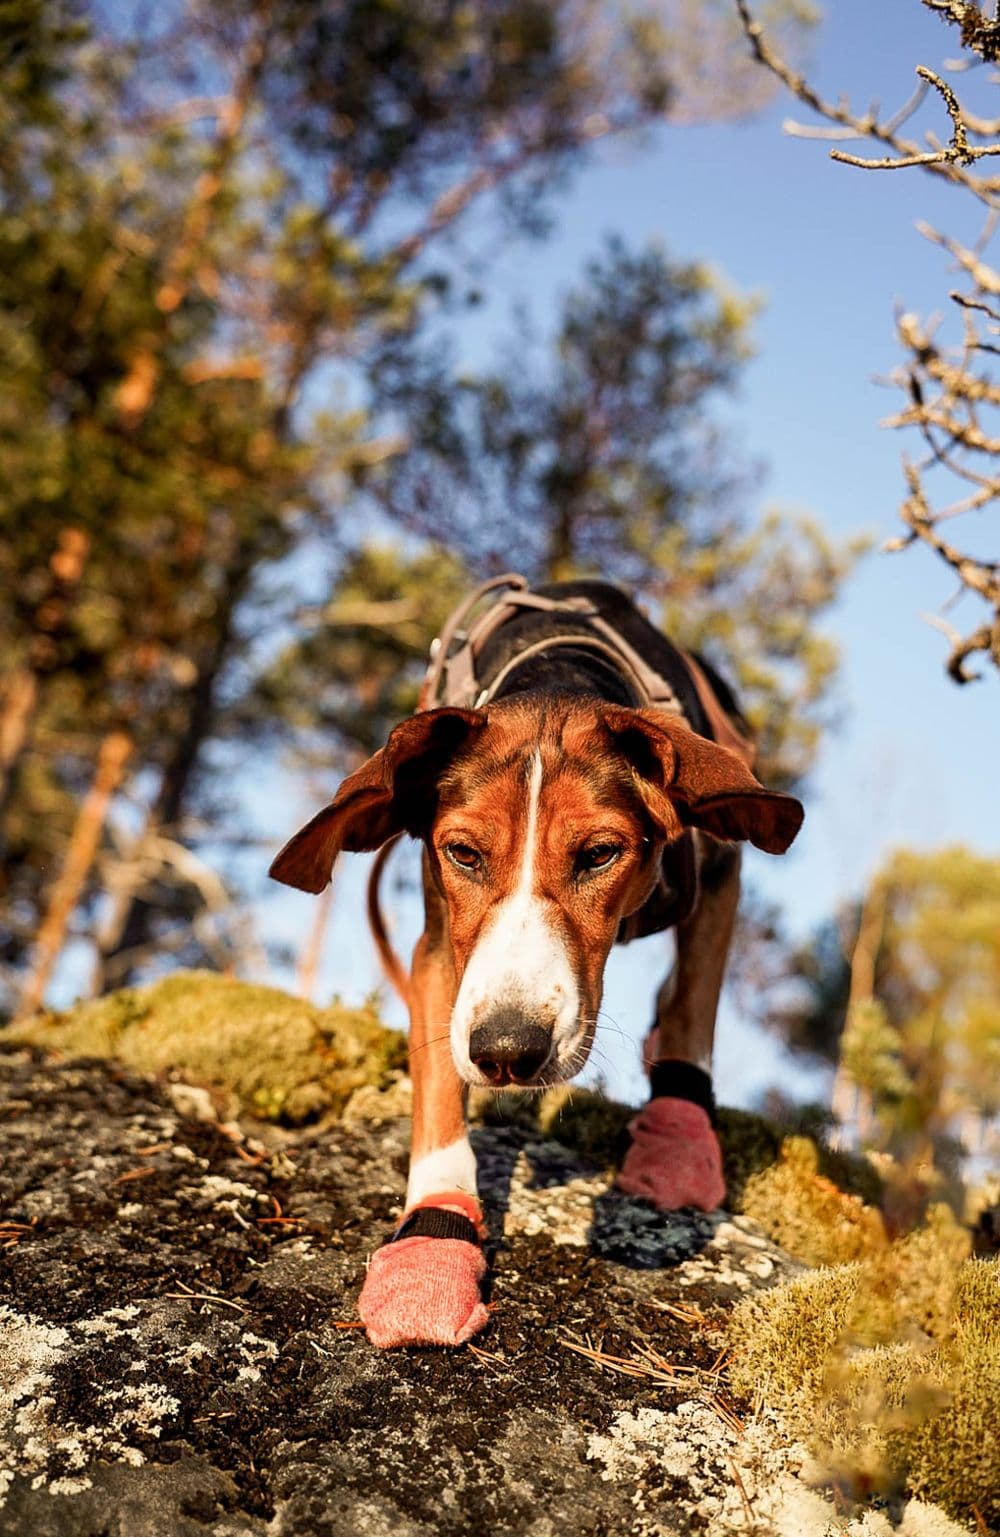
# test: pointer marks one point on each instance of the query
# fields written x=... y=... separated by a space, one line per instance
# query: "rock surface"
x=180 y=1356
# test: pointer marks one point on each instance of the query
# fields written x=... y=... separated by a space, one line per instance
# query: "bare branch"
x=984 y=276
x=947 y=161
x=959 y=138
x=974 y=304
x=950 y=401
x=980 y=576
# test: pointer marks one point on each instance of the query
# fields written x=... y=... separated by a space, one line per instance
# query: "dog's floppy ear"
x=705 y=785
x=387 y=795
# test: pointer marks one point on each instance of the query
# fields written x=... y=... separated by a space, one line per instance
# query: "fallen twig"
x=11 y=1233
x=743 y=1493
x=279 y=1216
x=726 y=1413
x=486 y=1355
x=685 y=1312
x=649 y=1363
x=187 y=1295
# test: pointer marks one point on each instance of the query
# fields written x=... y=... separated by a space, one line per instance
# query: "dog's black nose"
x=507 y=1048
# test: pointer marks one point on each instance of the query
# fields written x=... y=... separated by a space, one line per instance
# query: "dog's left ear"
x=389 y=794
x=706 y=785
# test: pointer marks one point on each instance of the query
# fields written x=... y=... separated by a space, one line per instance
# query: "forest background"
x=312 y=312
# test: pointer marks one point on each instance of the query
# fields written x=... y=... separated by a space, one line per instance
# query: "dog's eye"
x=465 y=857
x=596 y=857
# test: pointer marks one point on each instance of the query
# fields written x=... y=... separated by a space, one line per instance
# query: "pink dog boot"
x=675 y=1159
x=422 y=1286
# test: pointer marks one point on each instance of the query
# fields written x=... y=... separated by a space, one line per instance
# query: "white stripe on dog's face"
x=520 y=961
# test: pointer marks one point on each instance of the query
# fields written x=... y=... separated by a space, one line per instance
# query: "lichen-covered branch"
x=951 y=399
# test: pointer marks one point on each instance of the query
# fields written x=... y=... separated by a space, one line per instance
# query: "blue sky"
x=831 y=251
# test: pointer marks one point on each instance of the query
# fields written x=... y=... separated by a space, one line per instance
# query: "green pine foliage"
x=925 y=1046
x=211 y=222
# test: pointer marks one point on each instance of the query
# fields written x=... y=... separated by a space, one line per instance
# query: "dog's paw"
x=675 y=1159
x=423 y=1291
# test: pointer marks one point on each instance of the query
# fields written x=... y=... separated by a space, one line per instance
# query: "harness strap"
x=724 y=731
x=452 y=676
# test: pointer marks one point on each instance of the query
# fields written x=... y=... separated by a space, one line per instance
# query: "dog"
x=576 y=780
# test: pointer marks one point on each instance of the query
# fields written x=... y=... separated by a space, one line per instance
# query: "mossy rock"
x=890 y=1368
x=596 y=1127
x=283 y=1058
x=749 y=1145
x=587 y=1122
x=807 y=1213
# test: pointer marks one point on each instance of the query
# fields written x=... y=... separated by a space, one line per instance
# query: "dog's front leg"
x=675 y=1159
x=422 y=1287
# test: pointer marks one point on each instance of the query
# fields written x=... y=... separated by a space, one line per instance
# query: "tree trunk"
x=851 y=1104
x=166 y=813
x=559 y=555
x=112 y=757
x=21 y=696
x=312 y=950
x=137 y=390
x=16 y=715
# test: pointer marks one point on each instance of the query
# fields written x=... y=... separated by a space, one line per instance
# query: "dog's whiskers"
x=604 y=1021
x=433 y=1040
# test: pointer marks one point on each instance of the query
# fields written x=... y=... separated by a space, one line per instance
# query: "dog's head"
x=544 y=818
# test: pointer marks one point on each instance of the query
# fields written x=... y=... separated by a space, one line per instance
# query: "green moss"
x=954 y=1457
x=590 y=1124
x=488 y=1107
x=889 y=1367
x=783 y=1340
x=749 y=1144
x=595 y=1127
x=807 y=1213
x=284 y=1059
x=587 y=1122
x=851 y=1173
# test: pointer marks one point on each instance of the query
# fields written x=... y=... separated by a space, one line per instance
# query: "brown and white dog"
x=584 y=797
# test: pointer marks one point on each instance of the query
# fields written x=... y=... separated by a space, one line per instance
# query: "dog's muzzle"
x=509 y=1048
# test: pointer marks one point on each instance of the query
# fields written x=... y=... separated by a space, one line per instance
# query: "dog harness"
x=454 y=676
x=460 y=675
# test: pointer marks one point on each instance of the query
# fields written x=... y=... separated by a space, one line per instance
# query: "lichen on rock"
x=183 y=1357
x=175 y=1310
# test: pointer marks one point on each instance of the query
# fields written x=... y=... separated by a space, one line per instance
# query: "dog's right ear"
x=389 y=794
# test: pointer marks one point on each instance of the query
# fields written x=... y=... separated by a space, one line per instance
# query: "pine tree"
x=207 y=223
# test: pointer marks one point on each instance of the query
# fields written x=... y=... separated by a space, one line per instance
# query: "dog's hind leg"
x=674 y=1159
x=422 y=1286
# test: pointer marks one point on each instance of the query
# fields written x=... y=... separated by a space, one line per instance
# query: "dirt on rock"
x=181 y=1358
